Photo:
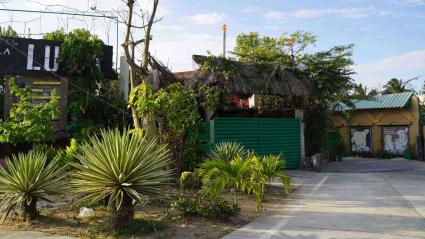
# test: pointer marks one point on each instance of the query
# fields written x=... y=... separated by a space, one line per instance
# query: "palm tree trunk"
x=235 y=196
x=123 y=217
x=30 y=210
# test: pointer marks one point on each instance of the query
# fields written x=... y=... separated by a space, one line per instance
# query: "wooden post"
x=211 y=121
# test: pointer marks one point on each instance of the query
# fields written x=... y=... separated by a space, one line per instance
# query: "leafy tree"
x=26 y=179
x=287 y=49
x=8 y=32
x=396 y=86
x=28 y=123
x=122 y=168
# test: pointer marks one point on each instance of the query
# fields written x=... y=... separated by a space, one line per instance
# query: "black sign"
x=21 y=56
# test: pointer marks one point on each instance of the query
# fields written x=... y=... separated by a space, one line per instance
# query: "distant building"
x=385 y=123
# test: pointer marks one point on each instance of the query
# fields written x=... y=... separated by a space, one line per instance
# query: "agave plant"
x=26 y=179
x=121 y=168
x=227 y=151
x=263 y=170
x=217 y=175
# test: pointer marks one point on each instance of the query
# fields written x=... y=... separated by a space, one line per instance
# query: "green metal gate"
x=263 y=135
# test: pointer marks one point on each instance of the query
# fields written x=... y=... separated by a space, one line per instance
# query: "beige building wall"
x=376 y=119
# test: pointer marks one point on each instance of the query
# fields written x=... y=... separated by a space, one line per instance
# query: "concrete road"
x=29 y=235
x=329 y=205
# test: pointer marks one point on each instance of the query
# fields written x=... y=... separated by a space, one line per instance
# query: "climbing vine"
x=88 y=89
x=28 y=123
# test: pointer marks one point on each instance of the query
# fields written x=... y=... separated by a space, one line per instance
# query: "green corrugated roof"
x=390 y=101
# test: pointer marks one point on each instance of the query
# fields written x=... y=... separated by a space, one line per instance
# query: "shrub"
x=67 y=156
x=226 y=151
x=189 y=180
x=28 y=179
x=46 y=149
x=206 y=206
x=121 y=168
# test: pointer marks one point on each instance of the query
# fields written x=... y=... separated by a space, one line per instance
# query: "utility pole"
x=224 y=40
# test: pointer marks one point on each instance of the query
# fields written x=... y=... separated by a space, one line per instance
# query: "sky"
x=388 y=35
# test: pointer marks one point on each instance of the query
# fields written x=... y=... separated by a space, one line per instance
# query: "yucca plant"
x=121 y=168
x=227 y=151
x=217 y=175
x=26 y=179
x=263 y=170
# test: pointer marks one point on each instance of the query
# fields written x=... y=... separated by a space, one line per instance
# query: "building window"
x=396 y=139
x=361 y=139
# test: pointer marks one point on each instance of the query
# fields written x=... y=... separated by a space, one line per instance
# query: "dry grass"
x=149 y=221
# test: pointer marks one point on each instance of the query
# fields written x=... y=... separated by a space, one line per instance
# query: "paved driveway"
x=389 y=204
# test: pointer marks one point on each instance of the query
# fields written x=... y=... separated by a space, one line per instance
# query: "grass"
x=151 y=221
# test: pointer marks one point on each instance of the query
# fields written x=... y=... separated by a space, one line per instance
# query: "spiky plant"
x=227 y=151
x=217 y=175
x=121 y=168
x=263 y=170
x=26 y=179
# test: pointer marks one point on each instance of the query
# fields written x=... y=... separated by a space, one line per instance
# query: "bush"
x=204 y=205
x=28 y=179
x=121 y=168
x=189 y=180
x=192 y=155
x=65 y=157
x=46 y=149
x=227 y=151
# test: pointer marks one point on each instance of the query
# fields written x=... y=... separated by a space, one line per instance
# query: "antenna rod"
x=224 y=40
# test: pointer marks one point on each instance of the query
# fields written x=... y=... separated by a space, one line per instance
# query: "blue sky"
x=389 y=35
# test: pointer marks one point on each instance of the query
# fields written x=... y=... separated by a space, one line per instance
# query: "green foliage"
x=210 y=96
x=8 y=32
x=26 y=179
x=58 y=35
x=218 y=175
x=80 y=52
x=67 y=156
x=121 y=168
x=330 y=72
x=193 y=154
x=204 y=205
x=173 y=108
x=361 y=92
x=49 y=150
x=317 y=122
x=189 y=180
x=253 y=48
x=28 y=122
x=227 y=151
x=264 y=170
x=87 y=110
x=396 y=86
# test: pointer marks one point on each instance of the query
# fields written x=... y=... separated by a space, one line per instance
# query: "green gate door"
x=263 y=135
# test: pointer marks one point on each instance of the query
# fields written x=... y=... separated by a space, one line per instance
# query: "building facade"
x=388 y=123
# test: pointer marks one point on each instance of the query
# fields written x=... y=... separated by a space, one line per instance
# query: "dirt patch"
x=62 y=219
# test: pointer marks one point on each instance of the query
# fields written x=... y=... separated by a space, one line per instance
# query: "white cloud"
x=404 y=66
x=212 y=18
x=275 y=16
x=411 y=2
x=178 y=53
x=250 y=9
x=316 y=13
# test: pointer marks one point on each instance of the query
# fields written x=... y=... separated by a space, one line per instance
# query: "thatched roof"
x=251 y=79
x=166 y=77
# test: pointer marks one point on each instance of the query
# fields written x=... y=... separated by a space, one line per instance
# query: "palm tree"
x=122 y=168
x=361 y=92
x=27 y=179
x=264 y=170
x=217 y=175
x=397 y=86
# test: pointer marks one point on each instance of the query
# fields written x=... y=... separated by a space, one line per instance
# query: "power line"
x=64 y=79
